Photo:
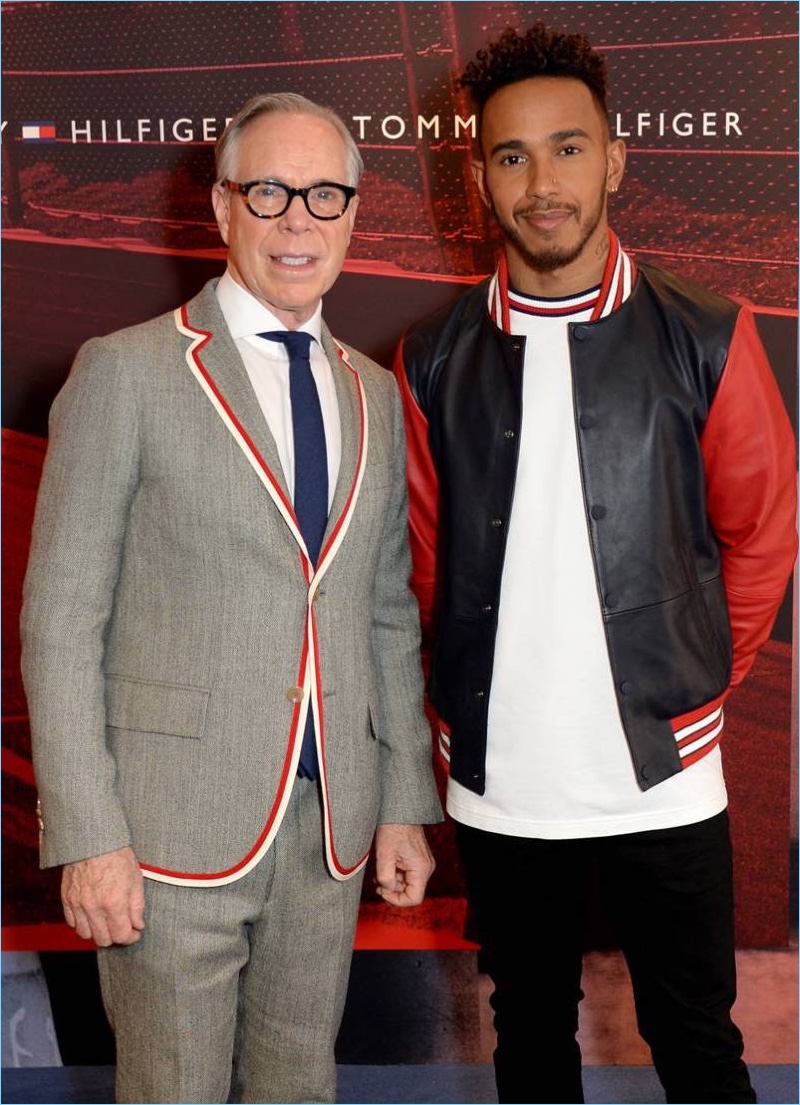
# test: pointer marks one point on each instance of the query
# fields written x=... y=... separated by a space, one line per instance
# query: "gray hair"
x=290 y=103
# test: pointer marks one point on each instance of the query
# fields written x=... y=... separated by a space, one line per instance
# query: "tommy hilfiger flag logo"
x=39 y=132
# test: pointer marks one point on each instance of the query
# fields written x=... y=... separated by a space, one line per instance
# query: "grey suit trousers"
x=238 y=986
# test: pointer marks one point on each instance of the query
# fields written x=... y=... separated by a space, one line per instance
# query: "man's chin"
x=551 y=262
x=547 y=260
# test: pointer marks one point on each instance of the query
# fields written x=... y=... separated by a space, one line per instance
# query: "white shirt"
x=267 y=364
x=557 y=763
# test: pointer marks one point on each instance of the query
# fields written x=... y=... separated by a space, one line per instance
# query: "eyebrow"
x=556 y=136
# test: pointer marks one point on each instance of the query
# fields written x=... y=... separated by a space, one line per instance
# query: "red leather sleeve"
x=423 y=508
x=749 y=460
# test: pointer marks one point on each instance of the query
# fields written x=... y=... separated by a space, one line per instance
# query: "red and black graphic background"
x=109 y=115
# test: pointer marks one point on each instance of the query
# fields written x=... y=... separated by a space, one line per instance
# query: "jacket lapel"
x=214 y=360
x=221 y=359
x=351 y=422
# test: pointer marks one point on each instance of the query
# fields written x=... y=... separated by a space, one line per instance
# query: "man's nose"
x=542 y=180
x=296 y=217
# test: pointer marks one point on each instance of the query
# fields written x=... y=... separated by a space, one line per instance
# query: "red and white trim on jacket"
x=615 y=286
x=444 y=742
x=696 y=733
x=553 y=308
x=309 y=671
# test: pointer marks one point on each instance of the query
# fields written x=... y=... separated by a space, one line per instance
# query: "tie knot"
x=297 y=342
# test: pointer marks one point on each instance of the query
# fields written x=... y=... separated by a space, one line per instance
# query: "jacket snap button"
x=598 y=512
x=644 y=772
x=516 y=346
x=294 y=694
x=581 y=333
x=509 y=434
x=480 y=694
x=497 y=522
x=627 y=687
x=586 y=422
x=611 y=599
x=487 y=609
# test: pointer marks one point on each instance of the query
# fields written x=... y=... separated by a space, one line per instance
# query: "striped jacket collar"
x=615 y=286
x=215 y=361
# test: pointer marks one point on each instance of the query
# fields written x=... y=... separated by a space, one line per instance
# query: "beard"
x=550 y=258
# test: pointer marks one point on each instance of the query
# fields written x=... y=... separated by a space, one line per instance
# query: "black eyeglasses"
x=269 y=199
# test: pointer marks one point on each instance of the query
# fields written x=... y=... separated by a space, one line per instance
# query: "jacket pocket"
x=372 y=718
x=710 y=591
x=151 y=707
x=377 y=475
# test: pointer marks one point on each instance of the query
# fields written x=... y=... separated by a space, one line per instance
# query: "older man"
x=220 y=647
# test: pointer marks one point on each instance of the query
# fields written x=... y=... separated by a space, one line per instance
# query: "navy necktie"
x=310 y=478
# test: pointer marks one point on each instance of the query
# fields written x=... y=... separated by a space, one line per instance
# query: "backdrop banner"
x=110 y=113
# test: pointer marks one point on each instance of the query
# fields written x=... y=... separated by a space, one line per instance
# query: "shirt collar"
x=246 y=316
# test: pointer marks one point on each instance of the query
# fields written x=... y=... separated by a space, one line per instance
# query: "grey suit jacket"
x=174 y=632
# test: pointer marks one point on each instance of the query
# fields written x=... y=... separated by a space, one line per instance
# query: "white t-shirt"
x=557 y=762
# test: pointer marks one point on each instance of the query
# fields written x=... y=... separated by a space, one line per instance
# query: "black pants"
x=670 y=896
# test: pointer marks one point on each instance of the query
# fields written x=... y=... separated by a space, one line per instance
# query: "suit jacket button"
x=598 y=512
x=295 y=694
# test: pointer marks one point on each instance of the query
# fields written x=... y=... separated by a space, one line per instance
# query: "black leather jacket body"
x=644 y=382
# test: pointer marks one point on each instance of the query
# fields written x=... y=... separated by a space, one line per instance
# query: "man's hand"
x=403 y=863
x=103 y=898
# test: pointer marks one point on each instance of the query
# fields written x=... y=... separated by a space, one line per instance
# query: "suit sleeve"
x=408 y=788
x=749 y=460
x=88 y=483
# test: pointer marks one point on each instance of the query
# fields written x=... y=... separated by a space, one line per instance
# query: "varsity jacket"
x=687 y=464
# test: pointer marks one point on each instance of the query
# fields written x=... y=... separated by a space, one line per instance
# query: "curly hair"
x=536 y=53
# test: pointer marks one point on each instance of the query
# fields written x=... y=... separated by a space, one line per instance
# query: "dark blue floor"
x=371 y=1085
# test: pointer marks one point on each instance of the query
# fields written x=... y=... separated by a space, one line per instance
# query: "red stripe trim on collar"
x=265 y=468
x=608 y=275
x=361 y=407
x=502 y=283
x=551 y=312
x=614 y=266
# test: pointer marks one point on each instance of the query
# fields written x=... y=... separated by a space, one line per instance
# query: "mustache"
x=543 y=207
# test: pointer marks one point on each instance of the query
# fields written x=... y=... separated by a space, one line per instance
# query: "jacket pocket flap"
x=155 y=707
